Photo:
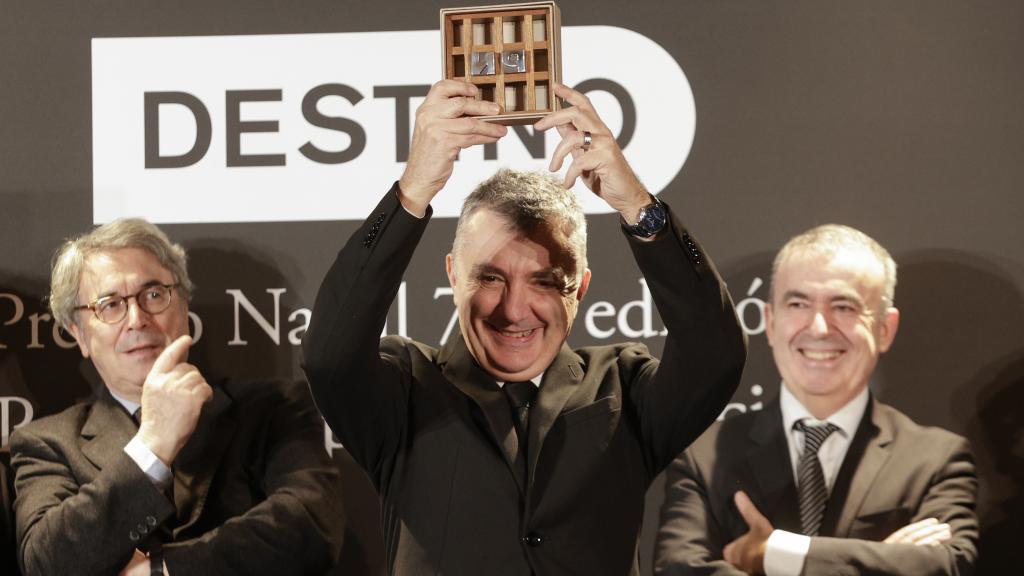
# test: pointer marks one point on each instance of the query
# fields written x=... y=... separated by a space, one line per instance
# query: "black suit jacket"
x=435 y=433
x=894 y=473
x=254 y=490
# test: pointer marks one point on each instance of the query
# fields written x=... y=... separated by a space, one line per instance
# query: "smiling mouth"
x=517 y=334
x=821 y=355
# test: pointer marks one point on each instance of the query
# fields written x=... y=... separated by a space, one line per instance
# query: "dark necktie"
x=520 y=395
x=811 y=478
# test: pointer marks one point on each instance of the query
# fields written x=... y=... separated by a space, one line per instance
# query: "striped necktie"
x=810 y=477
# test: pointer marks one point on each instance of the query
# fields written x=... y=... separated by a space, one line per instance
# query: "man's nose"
x=515 y=303
x=137 y=317
x=819 y=323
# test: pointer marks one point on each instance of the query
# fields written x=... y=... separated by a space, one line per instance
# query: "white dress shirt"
x=785 y=552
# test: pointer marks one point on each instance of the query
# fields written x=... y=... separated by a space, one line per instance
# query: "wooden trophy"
x=511 y=52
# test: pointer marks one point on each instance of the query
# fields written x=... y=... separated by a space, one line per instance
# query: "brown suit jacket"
x=435 y=434
x=894 y=473
x=254 y=491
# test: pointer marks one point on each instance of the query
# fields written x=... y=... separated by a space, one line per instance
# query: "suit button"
x=133 y=536
x=142 y=528
x=533 y=539
x=151 y=520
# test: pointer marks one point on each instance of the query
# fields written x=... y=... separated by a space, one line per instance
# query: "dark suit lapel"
x=460 y=368
x=197 y=463
x=868 y=453
x=769 y=464
x=106 y=431
x=561 y=380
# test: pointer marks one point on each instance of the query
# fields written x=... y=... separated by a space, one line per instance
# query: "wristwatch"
x=652 y=220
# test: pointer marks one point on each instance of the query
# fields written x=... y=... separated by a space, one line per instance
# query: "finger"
x=563 y=117
x=446 y=89
x=936 y=539
x=729 y=552
x=458 y=107
x=925 y=532
x=576 y=169
x=577 y=99
x=909 y=528
x=567 y=145
x=173 y=355
x=204 y=392
x=474 y=126
x=751 y=515
x=474 y=140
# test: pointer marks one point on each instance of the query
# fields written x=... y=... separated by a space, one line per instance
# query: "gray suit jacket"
x=894 y=473
x=254 y=490
x=435 y=434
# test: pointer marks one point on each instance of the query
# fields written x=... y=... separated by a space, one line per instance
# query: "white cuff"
x=152 y=466
x=785 y=553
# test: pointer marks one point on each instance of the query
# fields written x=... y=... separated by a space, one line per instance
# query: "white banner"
x=316 y=126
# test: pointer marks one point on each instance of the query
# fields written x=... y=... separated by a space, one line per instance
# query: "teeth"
x=522 y=334
x=821 y=354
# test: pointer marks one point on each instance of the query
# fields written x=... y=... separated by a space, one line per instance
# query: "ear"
x=769 y=330
x=584 y=284
x=79 y=335
x=449 y=268
x=887 y=328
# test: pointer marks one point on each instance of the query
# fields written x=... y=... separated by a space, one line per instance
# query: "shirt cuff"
x=154 y=468
x=785 y=553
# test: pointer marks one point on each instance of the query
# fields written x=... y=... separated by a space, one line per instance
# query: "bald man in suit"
x=826 y=479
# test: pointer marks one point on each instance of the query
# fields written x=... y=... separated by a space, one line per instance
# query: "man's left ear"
x=890 y=324
x=584 y=284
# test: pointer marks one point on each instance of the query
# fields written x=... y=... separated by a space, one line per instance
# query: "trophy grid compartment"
x=510 y=52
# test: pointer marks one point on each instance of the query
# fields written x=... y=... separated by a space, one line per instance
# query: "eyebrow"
x=479 y=269
x=113 y=293
x=837 y=298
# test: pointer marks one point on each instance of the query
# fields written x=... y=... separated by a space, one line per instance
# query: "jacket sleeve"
x=299 y=526
x=690 y=539
x=950 y=499
x=360 y=390
x=67 y=528
x=677 y=398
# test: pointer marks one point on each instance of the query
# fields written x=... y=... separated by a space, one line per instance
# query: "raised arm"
x=358 y=385
x=705 y=349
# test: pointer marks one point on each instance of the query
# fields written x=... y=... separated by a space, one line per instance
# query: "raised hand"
x=444 y=126
x=172 y=397
x=601 y=164
x=747 y=551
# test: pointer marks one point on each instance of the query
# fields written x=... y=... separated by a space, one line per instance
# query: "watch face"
x=652 y=219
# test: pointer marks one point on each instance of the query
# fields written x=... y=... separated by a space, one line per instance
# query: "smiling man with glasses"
x=164 y=472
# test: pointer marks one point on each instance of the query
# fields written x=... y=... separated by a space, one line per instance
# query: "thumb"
x=173 y=355
x=751 y=515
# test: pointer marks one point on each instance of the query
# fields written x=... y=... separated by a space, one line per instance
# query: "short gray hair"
x=828 y=240
x=528 y=200
x=70 y=259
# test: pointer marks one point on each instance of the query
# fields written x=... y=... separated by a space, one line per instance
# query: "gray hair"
x=70 y=260
x=529 y=200
x=828 y=240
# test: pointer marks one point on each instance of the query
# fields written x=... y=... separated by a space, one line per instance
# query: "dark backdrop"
x=903 y=119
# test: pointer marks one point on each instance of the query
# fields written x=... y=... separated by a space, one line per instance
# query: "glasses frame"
x=94 y=306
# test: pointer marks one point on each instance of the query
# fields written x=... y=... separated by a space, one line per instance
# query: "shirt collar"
x=130 y=406
x=536 y=381
x=846 y=418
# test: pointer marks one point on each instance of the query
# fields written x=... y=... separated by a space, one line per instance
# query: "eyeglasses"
x=152 y=299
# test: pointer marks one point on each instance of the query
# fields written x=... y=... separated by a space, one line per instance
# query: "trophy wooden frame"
x=511 y=52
